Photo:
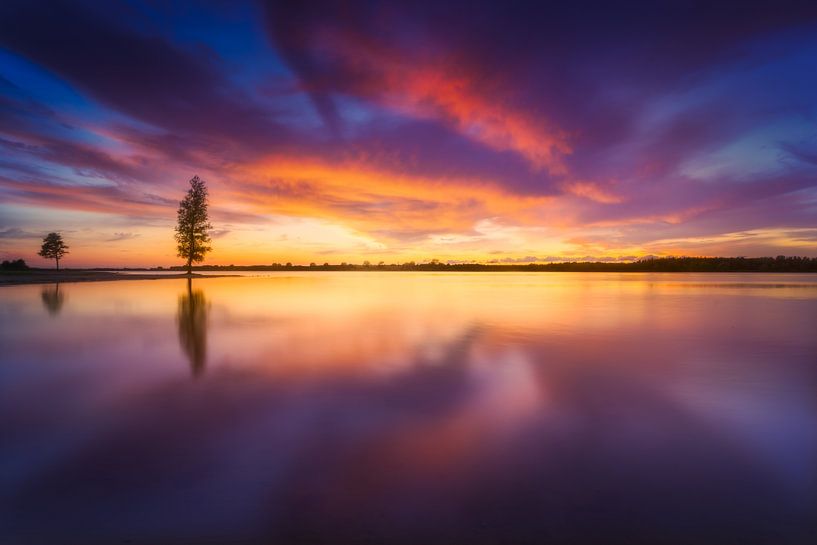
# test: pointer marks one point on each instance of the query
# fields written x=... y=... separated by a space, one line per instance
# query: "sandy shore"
x=14 y=278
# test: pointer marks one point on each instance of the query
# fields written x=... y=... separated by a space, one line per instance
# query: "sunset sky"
x=397 y=131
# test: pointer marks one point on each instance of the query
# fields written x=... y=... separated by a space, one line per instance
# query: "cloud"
x=410 y=79
x=367 y=198
x=146 y=77
x=593 y=191
x=122 y=236
x=567 y=258
x=16 y=233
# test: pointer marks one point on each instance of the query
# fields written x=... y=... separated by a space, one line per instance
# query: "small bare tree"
x=53 y=248
x=193 y=226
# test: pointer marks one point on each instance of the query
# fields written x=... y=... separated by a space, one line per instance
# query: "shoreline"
x=45 y=276
x=19 y=278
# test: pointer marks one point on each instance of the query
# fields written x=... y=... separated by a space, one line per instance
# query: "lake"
x=417 y=408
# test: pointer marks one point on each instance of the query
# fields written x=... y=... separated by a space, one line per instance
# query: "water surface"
x=411 y=408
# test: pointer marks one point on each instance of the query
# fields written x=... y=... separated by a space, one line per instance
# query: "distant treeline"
x=14 y=265
x=663 y=264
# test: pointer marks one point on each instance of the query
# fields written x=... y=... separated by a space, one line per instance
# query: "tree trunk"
x=192 y=251
x=58 y=262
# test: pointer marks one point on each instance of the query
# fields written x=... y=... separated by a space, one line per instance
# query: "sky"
x=407 y=131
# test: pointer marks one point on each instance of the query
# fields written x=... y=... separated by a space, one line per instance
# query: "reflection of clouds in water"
x=53 y=299
x=338 y=408
x=461 y=449
x=741 y=413
x=191 y=318
x=507 y=384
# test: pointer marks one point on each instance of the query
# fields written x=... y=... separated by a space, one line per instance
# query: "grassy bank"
x=43 y=276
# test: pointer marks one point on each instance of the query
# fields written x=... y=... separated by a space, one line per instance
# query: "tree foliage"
x=193 y=225
x=16 y=265
x=53 y=248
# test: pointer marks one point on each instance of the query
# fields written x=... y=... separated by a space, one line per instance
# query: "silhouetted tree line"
x=15 y=265
x=663 y=264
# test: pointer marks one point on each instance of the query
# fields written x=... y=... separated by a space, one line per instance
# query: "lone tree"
x=193 y=226
x=53 y=247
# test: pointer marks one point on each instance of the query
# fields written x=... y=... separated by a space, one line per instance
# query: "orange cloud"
x=372 y=199
x=474 y=104
x=101 y=199
x=478 y=117
x=592 y=191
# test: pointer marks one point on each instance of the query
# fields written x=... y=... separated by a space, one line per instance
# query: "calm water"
x=411 y=408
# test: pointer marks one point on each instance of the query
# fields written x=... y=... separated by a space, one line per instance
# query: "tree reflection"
x=53 y=299
x=192 y=319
